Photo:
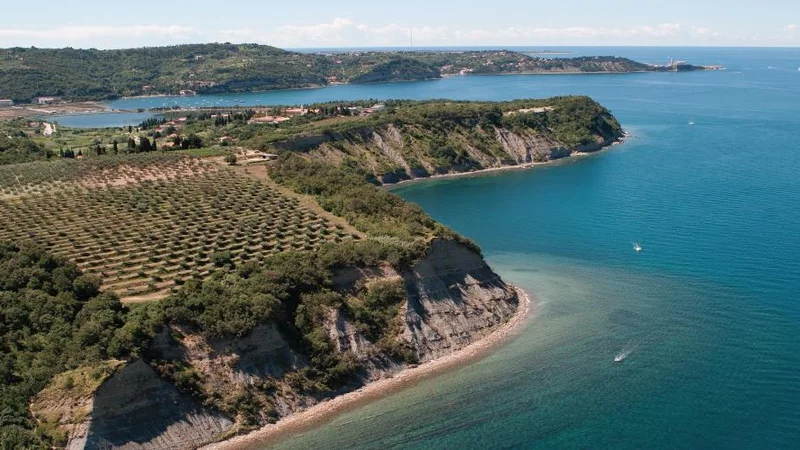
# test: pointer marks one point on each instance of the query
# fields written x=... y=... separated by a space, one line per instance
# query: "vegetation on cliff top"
x=52 y=319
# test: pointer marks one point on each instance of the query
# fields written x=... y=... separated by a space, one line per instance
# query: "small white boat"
x=622 y=355
x=691 y=123
x=637 y=248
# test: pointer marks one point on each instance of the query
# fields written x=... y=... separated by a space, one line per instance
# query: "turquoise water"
x=99 y=120
x=708 y=313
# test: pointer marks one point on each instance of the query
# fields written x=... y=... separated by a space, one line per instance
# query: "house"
x=187 y=93
x=147 y=89
x=273 y=120
x=226 y=140
x=45 y=100
x=378 y=107
x=539 y=110
x=295 y=112
x=6 y=102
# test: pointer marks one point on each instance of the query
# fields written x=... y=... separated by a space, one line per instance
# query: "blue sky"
x=361 y=23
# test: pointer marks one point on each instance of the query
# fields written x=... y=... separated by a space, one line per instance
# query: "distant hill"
x=104 y=74
x=75 y=74
x=399 y=69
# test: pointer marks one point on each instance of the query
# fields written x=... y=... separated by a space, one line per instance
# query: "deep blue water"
x=708 y=313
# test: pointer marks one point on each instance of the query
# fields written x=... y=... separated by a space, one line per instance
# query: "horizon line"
x=417 y=47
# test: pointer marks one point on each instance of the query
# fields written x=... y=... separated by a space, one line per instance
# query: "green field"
x=146 y=224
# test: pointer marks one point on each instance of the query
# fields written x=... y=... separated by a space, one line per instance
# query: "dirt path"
x=160 y=295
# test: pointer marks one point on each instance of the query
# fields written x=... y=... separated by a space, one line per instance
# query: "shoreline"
x=329 y=409
x=520 y=167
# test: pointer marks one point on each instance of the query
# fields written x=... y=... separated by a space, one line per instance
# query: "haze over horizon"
x=358 y=23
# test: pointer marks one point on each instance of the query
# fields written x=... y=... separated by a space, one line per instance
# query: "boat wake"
x=624 y=353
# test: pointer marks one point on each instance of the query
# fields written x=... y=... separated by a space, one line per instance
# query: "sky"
x=362 y=23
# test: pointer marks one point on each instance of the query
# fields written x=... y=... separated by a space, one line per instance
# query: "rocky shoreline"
x=328 y=409
x=508 y=168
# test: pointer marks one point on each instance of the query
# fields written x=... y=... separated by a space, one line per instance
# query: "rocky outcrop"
x=452 y=299
x=393 y=153
x=524 y=148
x=137 y=409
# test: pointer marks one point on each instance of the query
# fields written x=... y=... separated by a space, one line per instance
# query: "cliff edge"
x=451 y=299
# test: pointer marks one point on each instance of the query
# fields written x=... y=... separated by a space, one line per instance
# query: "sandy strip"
x=328 y=409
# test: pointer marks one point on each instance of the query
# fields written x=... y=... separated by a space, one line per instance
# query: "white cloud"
x=704 y=32
x=76 y=33
x=791 y=28
x=346 y=32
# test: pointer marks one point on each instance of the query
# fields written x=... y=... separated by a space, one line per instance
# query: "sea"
x=694 y=342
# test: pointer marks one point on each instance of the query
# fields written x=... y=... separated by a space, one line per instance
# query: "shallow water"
x=100 y=120
x=707 y=312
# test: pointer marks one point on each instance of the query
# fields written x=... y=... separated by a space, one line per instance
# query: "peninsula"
x=50 y=75
x=202 y=276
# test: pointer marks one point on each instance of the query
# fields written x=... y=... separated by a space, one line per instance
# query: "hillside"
x=400 y=69
x=420 y=139
x=77 y=74
x=166 y=300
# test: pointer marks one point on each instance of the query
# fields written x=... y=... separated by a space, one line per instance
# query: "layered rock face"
x=394 y=153
x=136 y=409
x=453 y=299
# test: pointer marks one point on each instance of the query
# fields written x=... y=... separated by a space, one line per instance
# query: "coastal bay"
x=705 y=314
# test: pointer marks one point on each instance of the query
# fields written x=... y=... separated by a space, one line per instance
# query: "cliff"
x=167 y=399
x=418 y=140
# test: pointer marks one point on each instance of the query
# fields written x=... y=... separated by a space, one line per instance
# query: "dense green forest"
x=400 y=69
x=90 y=74
x=52 y=319
x=16 y=145
x=78 y=74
